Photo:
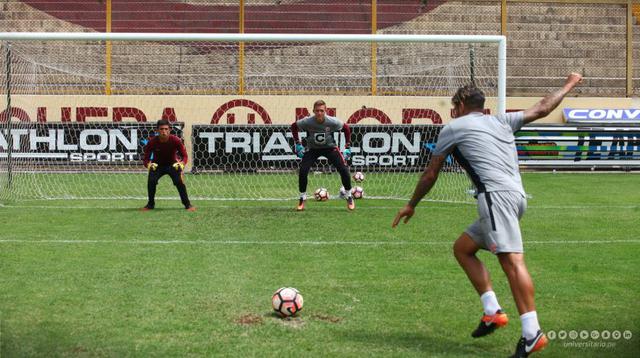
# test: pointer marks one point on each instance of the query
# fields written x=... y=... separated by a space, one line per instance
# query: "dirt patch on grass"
x=249 y=320
x=327 y=318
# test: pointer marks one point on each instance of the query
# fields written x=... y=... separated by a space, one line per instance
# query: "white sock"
x=530 y=325
x=303 y=196
x=490 y=303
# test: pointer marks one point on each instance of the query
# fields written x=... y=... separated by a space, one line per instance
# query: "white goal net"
x=77 y=109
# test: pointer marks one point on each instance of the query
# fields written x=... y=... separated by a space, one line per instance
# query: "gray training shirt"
x=320 y=135
x=485 y=147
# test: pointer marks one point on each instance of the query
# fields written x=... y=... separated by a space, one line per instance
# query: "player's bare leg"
x=521 y=284
x=465 y=250
x=519 y=280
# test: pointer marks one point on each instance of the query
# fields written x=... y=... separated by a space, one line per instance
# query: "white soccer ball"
x=287 y=301
x=321 y=194
x=357 y=192
x=358 y=177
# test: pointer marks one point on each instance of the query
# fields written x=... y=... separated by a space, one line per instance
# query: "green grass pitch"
x=87 y=278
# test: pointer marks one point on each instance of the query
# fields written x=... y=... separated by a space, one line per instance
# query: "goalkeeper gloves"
x=299 y=150
x=178 y=166
x=152 y=166
x=346 y=154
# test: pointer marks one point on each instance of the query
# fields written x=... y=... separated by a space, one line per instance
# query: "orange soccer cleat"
x=490 y=323
x=351 y=204
x=300 y=206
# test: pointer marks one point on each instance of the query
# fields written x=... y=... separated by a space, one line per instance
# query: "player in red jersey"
x=165 y=148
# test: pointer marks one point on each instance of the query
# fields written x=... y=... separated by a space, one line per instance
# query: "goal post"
x=74 y=117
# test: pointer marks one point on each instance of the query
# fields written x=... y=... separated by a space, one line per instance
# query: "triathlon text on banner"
x=69 y=144
x=260 y=147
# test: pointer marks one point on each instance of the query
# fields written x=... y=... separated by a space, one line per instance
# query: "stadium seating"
x=544 y=41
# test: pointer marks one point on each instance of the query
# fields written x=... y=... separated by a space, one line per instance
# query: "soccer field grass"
x=99 y=278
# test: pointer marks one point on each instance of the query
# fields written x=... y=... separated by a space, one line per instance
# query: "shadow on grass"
x=422 y=344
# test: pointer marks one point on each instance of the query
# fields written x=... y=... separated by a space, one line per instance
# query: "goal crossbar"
x=373 y=38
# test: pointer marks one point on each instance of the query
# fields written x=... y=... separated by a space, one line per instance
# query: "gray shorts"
x=498 y=228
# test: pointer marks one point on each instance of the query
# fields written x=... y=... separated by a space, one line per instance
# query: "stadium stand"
x=545 y=41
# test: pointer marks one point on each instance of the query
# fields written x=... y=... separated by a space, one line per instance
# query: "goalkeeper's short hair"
x=318 y=103
x=162 y=122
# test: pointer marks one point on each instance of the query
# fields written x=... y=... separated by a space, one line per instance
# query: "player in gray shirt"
x=320 y=143
x=484 y=146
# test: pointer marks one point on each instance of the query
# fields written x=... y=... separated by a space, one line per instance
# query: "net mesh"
x=96 y=151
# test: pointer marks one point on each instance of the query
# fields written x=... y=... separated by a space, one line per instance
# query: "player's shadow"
x=421 y=343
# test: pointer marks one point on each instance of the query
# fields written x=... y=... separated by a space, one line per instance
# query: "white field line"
x=177 y=207
x=301 y=243
x=397 y=207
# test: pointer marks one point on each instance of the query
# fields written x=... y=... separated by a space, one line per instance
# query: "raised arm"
x=551 y=101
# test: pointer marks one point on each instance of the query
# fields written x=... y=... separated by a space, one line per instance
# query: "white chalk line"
x=397 y=207
x=301 y=243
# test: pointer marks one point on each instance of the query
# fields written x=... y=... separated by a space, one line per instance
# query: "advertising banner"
x=71 y=144
x=602 y=116
x=256 y=147
x=561 y=146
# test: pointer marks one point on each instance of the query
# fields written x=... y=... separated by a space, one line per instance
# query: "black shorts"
x=333 y=155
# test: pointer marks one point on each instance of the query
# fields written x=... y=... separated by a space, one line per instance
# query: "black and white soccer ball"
x=357 y=192
x=321 y=194
x=287 y=301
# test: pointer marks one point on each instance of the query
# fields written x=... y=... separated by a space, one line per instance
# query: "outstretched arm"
x=551 y=101
x=426 y=182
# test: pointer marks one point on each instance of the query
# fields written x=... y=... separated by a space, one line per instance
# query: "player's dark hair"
x=318 y=103
x=470 y=95
x=162 y=122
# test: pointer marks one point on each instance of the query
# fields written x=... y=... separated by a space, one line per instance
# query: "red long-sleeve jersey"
x=165 y=153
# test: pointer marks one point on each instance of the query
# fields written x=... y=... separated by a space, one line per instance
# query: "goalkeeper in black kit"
x=320 y=143
x=165 y=148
